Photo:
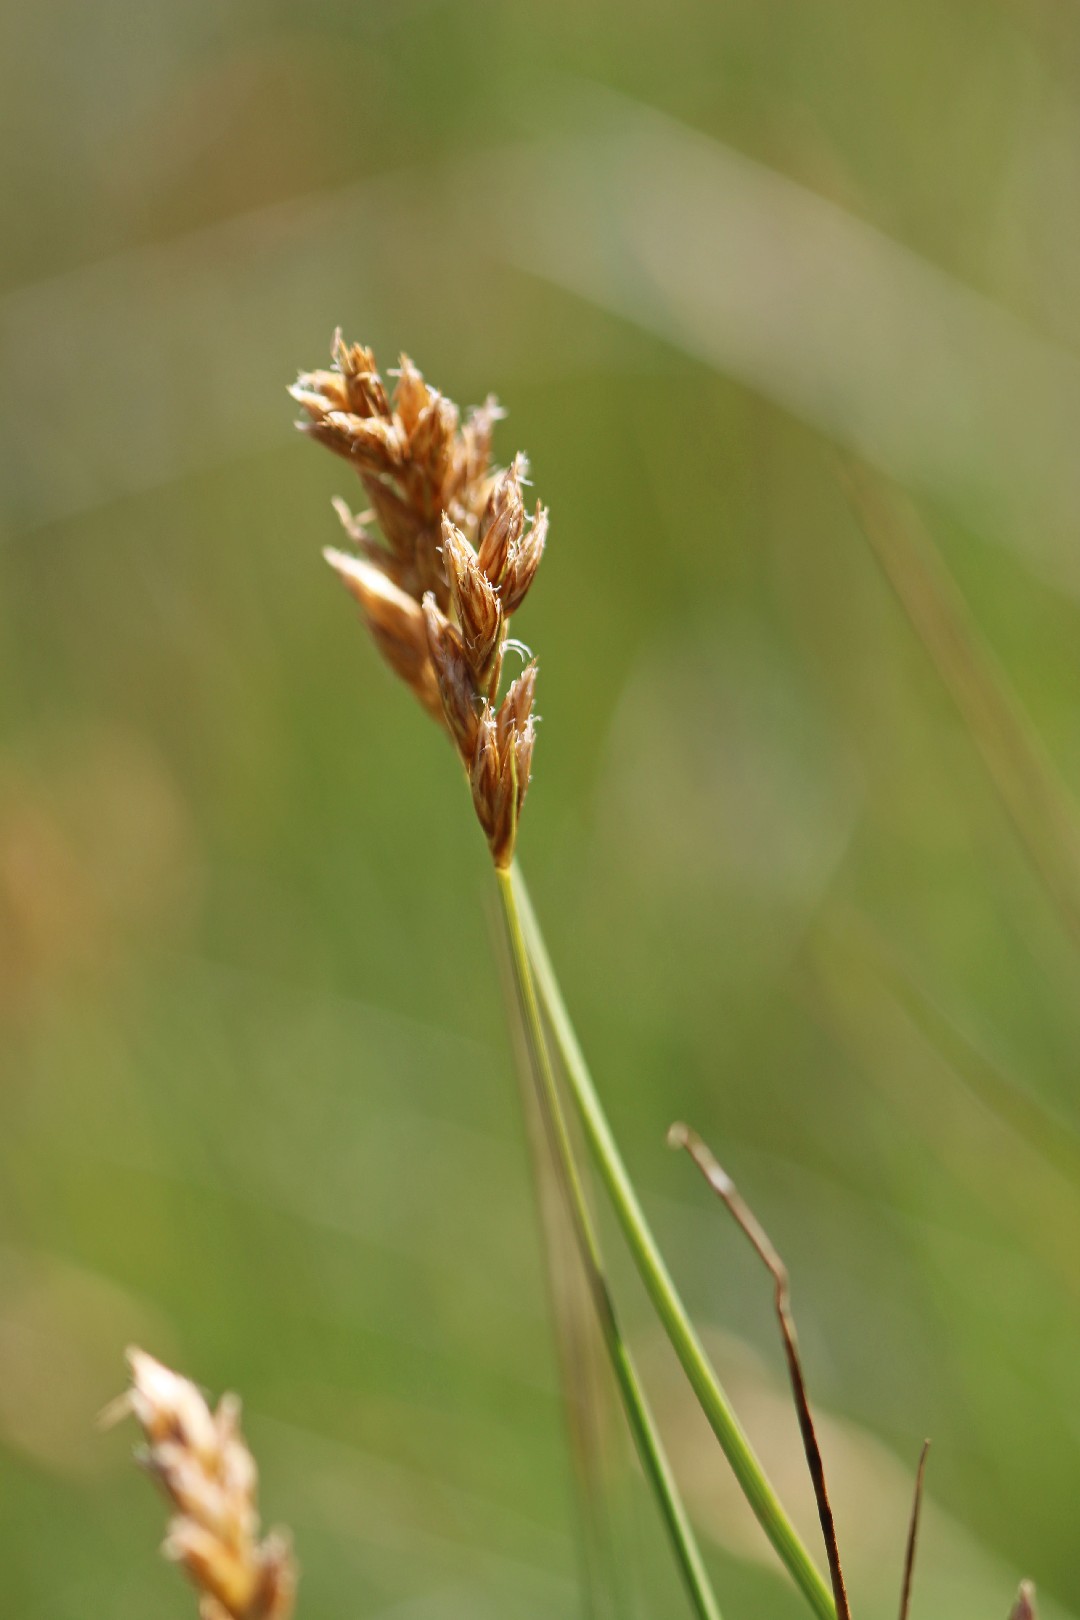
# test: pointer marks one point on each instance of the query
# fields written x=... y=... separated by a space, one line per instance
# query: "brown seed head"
x=454 y=546
x=360 y=378
x=502 y=764
x=355 y=524
x=321 y=391
x=503 y=520
x=397 y=567
x=396 y=622
x=374 y=444
x=523 y=561
x=523 y=747
x=432 y=444
x=412 y=395
x=396 y=518
x=202 y=1463
x=413 y=456
x=519 y=702
x=453 y=673
x=475 y=600
x=492 y=789
x=484 y=767
x=374 y=441
x=516 y=707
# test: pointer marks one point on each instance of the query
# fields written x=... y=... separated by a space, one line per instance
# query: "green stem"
x=642 y=1424
x=657 y=1279
x=581 y=1374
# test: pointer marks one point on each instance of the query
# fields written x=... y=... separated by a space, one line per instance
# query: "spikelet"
x=503 y=521
x=501 y=765
x=203 y=1465
x=396 y=622
x=453 y=673
x=475 y=600
x=522 y=562
x=453 y=559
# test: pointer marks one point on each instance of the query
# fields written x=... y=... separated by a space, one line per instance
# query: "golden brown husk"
x=455 y=560
x=203 y=1465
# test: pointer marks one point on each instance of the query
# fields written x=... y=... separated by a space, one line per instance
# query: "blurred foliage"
x=256 y=1101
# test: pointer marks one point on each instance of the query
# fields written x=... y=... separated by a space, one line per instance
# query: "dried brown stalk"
x=681 y=1136
x=455 y=561
x=203 y=1465
x=913 y=1534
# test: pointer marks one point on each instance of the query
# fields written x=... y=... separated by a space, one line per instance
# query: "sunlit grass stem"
x=439 y=587
x=654 y=1273
x=642 y=1424
x=580 y=1353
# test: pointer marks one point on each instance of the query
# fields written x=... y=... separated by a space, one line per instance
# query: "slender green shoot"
x=656 y=1277
x=642 y=1424
x=580 y=1353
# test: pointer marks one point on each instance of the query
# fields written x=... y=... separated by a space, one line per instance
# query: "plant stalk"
x=658 y=1282
x=642 y=1424
x=580 y=1354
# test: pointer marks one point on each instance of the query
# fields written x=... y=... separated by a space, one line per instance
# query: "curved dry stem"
x=681 y=1136
x=913 y=1534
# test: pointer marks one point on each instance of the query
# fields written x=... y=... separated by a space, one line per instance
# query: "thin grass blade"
x=654 y=1273
x=1030 y=790
x=642 y=1424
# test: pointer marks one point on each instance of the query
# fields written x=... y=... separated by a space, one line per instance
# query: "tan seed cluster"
x=455 y=560
x=203 y=1465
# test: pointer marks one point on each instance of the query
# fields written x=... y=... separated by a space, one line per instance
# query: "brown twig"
x=913 y=1534
x=681 y=1136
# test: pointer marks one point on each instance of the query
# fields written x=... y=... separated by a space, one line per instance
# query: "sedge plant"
x=440 y=562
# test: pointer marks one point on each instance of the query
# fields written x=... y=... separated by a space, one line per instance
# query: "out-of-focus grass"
x=257 y=1107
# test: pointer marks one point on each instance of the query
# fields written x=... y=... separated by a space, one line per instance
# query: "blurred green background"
x=257 y=1103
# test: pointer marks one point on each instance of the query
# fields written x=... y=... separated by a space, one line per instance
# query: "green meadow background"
x=258 y=1110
